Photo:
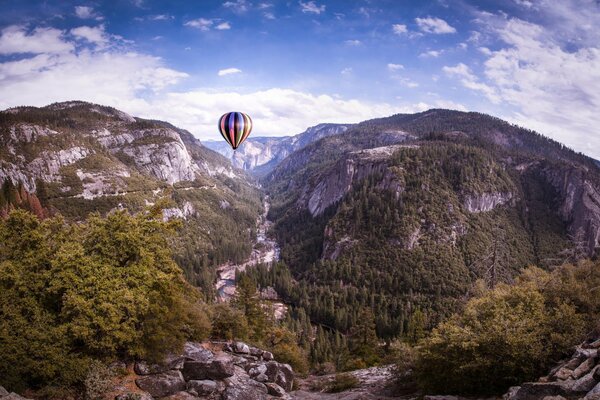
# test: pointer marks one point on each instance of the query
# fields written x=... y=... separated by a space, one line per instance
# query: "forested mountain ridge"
x=261 y=154
x=403 y=215
x=79 y=157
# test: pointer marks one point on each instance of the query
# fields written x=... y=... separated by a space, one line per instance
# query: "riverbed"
x=265 y=251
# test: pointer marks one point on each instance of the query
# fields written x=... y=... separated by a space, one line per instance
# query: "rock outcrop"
x=125 y=145
x=485 y=202
x=579 y=201
x=336 y=181
x=576 y=378
x=262 y=154
x=224 y=371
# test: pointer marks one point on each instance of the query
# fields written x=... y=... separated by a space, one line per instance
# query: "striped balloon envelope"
x=235 y=128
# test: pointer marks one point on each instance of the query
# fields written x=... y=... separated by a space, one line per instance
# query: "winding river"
x=265 y=251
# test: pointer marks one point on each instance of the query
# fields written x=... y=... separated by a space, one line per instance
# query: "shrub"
x=342 y=382
x=228 y=323
x=98 y=381
x=102 y=289
x=509 y=335
x=284 y=346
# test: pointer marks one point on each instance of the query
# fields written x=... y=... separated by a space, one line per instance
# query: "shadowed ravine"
x=265 y=251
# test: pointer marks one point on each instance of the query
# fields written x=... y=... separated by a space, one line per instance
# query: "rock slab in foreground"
x=575 y=378
x=163 y=384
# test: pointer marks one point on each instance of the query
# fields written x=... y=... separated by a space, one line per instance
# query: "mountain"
x=261 y=154
x=403 y=215
x=77 y=158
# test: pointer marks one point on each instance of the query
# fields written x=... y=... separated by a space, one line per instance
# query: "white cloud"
x=311 y=7
x=399 y=29
x=431 y=53
x=229 y=71
x=16 y=39
x=200 y=23
x=269 y=15
x=353 y=42
x=223 y=26
x=471 y=81
x=275 y=111
x=554 y=87
x=161 y=17
x=395 y=67
x=85 y=12
x=346 y=71
x=264 y=6
x=140 y=84
x=450 y=105
x=94 y=35
x=237 y=6
x=434 y=25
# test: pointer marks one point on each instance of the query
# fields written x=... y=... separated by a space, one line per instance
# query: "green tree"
x=363 y=342
x=509 y=335
x=103 y=289
x=247 y=300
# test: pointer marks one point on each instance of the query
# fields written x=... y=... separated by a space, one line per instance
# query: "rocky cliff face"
x=262 y=154
x=335 y=182
x=123 y=146
x=579 y=201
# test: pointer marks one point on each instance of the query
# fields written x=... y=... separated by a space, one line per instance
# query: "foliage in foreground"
x=511 y=334
x=103 y=289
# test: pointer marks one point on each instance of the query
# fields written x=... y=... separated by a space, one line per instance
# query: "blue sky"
x=292 y=64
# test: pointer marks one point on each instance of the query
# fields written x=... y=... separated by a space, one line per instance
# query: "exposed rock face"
x=486 y=201
x=334 y=183
x=237 y=372
x=264 y=153
x=580 y=202
x=577 y=377
x=163 y=384
x=126 y=145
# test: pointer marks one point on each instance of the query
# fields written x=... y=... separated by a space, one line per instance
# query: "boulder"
x=195 y=352
x=584 y=384
x=267 y=356
x=241 y=348
x=536 y=391
x=244 y=389
x=215 y=369
x=13 y=396
x=134 y=396
x=275 y=390
x=281 y=374
x=3 y=392
x=182 y=396
x=584 y=368
x=202 y=387
x=256 y=369
x=594 y=393
x=256 y=352
x=143 y=368
x=261 y=378
x=163 y=384
x=562 y=374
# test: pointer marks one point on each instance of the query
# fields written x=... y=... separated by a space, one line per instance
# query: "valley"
x=369 y=243
x=265 y=251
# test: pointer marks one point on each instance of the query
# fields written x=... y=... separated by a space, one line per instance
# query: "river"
x=265 y=251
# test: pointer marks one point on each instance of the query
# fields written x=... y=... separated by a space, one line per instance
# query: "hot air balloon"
x=235 y=128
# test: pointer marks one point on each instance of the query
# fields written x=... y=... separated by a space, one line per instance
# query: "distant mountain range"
x=261 y=154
